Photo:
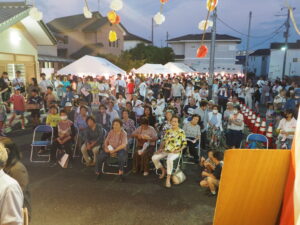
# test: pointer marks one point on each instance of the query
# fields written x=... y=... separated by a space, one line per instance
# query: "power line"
x=263 y=42
x=230 y=27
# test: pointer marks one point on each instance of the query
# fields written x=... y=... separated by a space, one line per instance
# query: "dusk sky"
x=183 y=16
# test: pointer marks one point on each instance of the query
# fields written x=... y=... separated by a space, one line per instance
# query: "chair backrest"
x=43 y=129
x=258 y=138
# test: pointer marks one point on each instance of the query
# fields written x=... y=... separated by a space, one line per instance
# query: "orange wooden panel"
x=251 y=187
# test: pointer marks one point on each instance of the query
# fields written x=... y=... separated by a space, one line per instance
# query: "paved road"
x=74 y=197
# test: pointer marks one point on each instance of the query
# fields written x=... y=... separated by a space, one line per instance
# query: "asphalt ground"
x=74 y=197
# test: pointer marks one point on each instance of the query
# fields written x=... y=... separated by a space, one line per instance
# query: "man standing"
x=120 y=86
x=44 y=84
x=11 y=196
x=167 y=86
x=177 y=89
x=3 y=86
x=18 y=82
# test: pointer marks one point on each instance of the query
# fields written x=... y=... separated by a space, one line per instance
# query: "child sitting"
x=212 y=179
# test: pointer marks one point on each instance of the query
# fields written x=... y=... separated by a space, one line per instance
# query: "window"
x=66 y=39
x=62 y=52
x=114 y=44
x=109 y=43
x=117 y=43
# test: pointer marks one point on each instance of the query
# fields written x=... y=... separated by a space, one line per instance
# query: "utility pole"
x=248 y=45
x=167 y=39
x=212 y=49
x=152 y=31
x=286 y=35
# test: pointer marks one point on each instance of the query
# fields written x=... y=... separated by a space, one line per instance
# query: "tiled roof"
x=96 y=25
x=11 y=9
x=132 y=37
x=198 y=37
x=68 y=23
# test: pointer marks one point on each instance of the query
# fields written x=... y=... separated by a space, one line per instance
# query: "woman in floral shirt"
x=173 y=143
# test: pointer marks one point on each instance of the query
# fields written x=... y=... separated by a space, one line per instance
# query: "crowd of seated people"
x=152 y=118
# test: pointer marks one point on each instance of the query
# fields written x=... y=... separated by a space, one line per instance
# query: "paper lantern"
x=112 y=36
x=87 y=13
x=211 y=5
x=112 y=16
x=202 y=51
x=116 y=5
x=202 y=24
x=118 y=20
x=163 y=1
x=159 y=18
x=35 y=14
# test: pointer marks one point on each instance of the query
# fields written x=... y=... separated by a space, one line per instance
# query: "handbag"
x=64 y=160
x=178 y=177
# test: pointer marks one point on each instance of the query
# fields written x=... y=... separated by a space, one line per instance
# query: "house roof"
x=50 y=58
x=277 y=45
x=132 y=37
x=10 y=9
x=14 y=12
x=96 y=25
x=68 y=23
x=90 y=49
x=198 y=37
x=261 y=52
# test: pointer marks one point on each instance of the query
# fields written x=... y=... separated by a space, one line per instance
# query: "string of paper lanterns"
x=159 y=18
x=114 y=18
x=204 y=25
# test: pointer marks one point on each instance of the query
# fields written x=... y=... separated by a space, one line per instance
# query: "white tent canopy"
x=179 y=68
x=91 y=66
x=153 y=69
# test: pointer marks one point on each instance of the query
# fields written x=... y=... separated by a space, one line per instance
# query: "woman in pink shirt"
x=114 y=146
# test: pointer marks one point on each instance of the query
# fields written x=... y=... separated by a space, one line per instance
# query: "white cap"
x=3 y=155
x=68 y=104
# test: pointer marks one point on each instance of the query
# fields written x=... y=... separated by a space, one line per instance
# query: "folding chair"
x=35 y=143
x=176 y=162
x=257 y=138
x=188 y=162
x=112 y=162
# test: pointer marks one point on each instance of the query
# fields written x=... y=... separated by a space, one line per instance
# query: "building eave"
x=14 y=20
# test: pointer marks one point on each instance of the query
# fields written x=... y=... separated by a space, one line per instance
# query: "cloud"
x=183 y=16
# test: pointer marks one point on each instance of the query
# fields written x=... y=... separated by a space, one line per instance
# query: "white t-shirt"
x=11 y=200
x=177 y=90
x=232 y=126
x=143 y=89
x=288 y=126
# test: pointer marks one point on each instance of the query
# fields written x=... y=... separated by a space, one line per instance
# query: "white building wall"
x=178 y=48
x=47 y=50
x=292 y=67
x=225 y=55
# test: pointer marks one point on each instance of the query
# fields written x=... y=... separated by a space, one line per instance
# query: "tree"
x=141 y=54
x=152 y=54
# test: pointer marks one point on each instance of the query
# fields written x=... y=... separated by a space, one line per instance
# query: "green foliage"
x=141 y=54
x=152 y=54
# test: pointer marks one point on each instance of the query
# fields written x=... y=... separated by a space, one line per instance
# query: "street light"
x=283 y=48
